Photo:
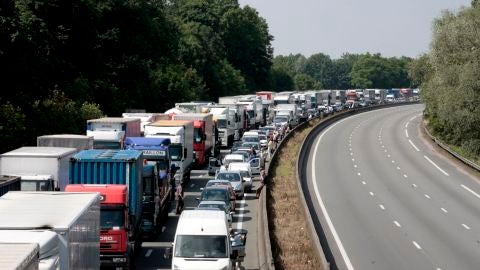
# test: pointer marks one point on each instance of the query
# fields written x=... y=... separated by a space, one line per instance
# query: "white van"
x=203 y=241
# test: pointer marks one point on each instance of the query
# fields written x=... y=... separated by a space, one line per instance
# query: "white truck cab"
x=203 y=240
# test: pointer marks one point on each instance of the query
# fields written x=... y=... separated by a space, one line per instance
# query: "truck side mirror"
x=168 y=253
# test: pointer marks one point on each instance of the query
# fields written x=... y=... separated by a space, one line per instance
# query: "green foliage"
x=320 y=67
x=13 y=127
x=450 y=79
x=305 y=82
x=281 y=80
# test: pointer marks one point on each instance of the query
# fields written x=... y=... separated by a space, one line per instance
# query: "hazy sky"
x=389 y=27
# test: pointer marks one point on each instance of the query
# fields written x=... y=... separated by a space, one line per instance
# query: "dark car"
x=218 y=193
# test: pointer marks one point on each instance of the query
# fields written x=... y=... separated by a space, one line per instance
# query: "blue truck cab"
x=156 y=188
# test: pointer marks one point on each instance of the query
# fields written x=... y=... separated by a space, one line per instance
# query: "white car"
x=246 y=170
x=236 y=180
x=204 y=205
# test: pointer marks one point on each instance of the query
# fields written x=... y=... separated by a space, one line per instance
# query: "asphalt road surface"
x=152 y=254
x=389 y=199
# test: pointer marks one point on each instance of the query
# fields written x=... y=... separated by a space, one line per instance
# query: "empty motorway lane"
x=388 y=199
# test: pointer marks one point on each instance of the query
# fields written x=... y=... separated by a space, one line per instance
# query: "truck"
x=240 y=119
x=203 y=240
x=180 y=133
x=117 y=176
x=225 y=121
x=203 y=135
x=265 y=95
x=327 y=98
x=47 y=242
x=110 y=132
x=75 y=221
x=369 y=96
x=380 y=96
x=254 y=111
x=340 y=97
x=157 y=192
x=80 y=142
x=283 y=99
x=145 y=118
x=9 y=183
x=352 y=98
x=228 y=99
x=40 y=168
x=296 y=113
x=19 y=256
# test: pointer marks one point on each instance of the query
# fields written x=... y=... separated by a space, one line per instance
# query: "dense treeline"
x=450 y=79
x=350 y=71
x=62 y=62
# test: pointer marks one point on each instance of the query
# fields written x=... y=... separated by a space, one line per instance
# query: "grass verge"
x=290 y=238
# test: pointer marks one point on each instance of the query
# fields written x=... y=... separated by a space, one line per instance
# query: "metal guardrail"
x=452 y=152
x=326 y=253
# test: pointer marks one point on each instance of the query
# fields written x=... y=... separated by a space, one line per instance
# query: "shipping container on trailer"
x=80 y=142
x=18 y=256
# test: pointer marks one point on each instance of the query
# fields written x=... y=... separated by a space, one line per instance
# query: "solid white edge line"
x=406 y=133
x=406 y=125
x=413 y=145
x=465 y=226
x=345 y=257
x=471 y=191
x=436 y=166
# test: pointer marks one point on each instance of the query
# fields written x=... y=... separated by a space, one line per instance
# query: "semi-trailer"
x=117 y=176
x=40 y=168
x=80 y=142
x=9 y=183
x=110 y=132
x=74 y=217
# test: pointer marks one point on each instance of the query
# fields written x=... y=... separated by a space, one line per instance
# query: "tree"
x=305 y=82
x=281 y=80
x=320 y=68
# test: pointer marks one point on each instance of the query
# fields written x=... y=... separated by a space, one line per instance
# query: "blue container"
x=123 y=167
x=9 y=183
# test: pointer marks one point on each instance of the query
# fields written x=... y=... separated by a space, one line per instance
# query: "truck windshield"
x=201 y=246
x=280 y=119
x=36 y=185
x=175 y=152
x=110 y=218
x=147 y=187
x=221 y=123
x=197 y=135
x=251 y=114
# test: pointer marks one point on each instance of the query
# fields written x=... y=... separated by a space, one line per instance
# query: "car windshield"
x=215 y=195
x=280 y=119
x=201 y=246
x=221 y=123
x=255 y=145
x=229 y=176
x=197 y=135
x=213 y=205
x=250 y=139
x=213 y=183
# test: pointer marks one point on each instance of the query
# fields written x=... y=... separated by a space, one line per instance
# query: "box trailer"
x=47 y=241
x=18 y=256
x=74 y=217
x=110 y=132
x=40 y=168
x=81 y=142
x=9 y=183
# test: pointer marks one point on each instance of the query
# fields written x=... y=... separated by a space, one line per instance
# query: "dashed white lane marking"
x=350 y=149
x=372 y=194
x=405 y=175
x=406 y=125
x=353 y=159
x=436 y=166
x=351 y=154
x=358 y=174
x=149 y=252
x=444 y=210
x=427 y=196
x=406 y=133
x=364 y=183
x=471 y=191
x=465 y=226
x=397 y=223
x=393 y=161
x=241 y=209
x=344 y=254
x=192 y=185
x=413 y=145
x=389 y=155
x=355 y=166
x=416 y=245
x=414 y=185
x=163 y=228
x=385 y=150
x=383 y=146
x=382 y=207
x=398 y=168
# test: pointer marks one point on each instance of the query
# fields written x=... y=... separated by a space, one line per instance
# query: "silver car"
x=236 y=180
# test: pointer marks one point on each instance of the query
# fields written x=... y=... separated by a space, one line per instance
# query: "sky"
x=390 y=27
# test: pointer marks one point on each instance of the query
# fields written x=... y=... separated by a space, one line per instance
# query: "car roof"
x=212 y=202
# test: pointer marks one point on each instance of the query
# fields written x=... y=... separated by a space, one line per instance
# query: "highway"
x=389 y=199
x=152 y=254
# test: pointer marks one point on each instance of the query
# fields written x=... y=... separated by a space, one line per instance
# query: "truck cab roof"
x=202 y=222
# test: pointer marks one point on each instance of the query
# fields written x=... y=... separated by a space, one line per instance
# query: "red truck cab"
x=114 y=225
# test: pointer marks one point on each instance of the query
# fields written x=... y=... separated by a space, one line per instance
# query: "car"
x=217 y=205
x=245 y=169
x=235 y=146
x=218 y=193
x=243 y=151
x=213 y=165
x=263 y=140
x=236 y=180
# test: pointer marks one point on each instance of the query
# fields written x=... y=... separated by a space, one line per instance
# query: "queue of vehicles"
x=129 y=167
